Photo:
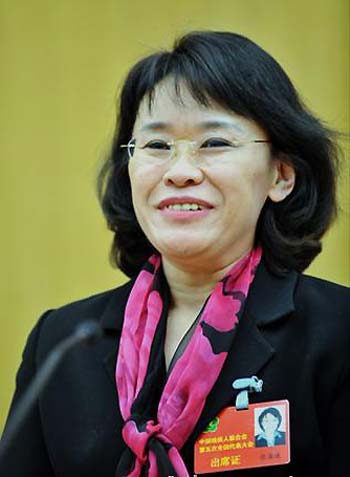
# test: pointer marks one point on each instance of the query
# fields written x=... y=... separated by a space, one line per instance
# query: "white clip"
x=252 y=384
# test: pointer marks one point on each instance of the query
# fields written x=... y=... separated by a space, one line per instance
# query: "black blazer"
x=262 y=441
x=294 y=334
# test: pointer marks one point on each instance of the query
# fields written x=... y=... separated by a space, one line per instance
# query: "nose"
x=183 y=171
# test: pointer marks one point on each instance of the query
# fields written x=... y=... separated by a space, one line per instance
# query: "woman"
x=219 y=187
x=271 y=435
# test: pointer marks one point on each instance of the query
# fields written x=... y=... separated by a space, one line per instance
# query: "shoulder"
x=260 y=441
x=322 y=286
x=107 y=308
x=92 y=306
x=315 y=312
x=322 y=295
x=322 y=311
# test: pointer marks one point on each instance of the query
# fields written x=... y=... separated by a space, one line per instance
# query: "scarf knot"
x=137 y=436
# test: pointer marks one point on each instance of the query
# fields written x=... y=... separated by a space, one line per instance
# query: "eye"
x=157 y=144
x=216 y=142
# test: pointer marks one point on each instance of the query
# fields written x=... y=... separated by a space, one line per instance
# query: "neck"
x=190 y=286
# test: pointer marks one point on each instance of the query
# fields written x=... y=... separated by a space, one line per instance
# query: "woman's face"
x=230 y=188
x=269 y=423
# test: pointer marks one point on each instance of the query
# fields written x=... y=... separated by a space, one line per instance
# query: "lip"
x=184 y=200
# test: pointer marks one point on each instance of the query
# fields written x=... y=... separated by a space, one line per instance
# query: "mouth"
x=184 y=204
x=184 y=209
x=187 y=206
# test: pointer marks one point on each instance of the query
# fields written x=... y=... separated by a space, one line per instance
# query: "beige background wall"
x=61 y=64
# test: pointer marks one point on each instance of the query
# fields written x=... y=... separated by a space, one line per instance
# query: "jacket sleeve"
x=27 y=454
x=338 y=427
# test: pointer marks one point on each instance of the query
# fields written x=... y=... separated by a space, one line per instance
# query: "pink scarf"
x=161 y=413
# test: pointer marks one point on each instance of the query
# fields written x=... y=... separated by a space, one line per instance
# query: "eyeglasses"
x=159 y=149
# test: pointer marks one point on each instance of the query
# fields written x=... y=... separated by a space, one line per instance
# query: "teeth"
x=185 y=207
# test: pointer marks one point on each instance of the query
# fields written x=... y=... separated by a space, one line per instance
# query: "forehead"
x=173 y=108
x=269 y=416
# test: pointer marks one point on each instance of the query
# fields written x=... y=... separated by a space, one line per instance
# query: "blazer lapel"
x=270 y=298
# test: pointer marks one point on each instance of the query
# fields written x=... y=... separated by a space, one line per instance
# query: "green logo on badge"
x=213 y=425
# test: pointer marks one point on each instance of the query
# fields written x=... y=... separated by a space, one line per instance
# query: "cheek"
x=258 y=183
x=143 y=176
x=143 y=180
x=242 y=189
x=139 y=181
x=137 y=189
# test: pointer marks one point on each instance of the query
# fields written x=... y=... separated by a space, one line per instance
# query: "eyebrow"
x=204 y=125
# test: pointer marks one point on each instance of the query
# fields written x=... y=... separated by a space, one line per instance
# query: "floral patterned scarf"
x=160 y=411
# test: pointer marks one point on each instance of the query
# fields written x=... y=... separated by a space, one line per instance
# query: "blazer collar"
x=270 y=298
x=113 y=316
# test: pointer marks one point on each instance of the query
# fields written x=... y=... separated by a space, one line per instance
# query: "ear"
x=284 y=181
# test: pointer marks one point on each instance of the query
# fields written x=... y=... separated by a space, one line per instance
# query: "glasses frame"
x=195 y=145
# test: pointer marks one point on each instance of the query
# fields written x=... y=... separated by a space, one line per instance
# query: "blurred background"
x=62 y=63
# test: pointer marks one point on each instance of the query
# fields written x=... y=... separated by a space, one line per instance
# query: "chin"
x=179 y=248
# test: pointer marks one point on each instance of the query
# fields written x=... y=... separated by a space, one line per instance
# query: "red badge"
x=242 y=439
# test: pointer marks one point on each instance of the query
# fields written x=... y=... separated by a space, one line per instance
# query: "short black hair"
x=270 y=410
x=242 y=77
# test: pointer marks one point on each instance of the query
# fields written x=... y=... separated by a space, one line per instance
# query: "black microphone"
x=87 y=332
